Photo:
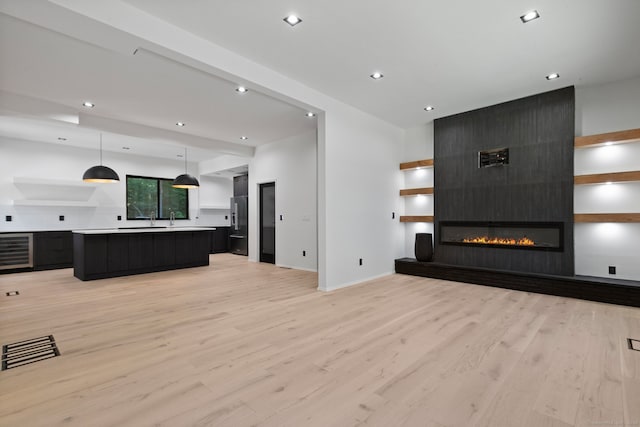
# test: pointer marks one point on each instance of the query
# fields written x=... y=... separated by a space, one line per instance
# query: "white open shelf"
x=53 y=192
x=215 y=207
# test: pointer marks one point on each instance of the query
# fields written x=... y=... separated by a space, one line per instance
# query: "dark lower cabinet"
x=184 y=247
x=220 y=240
x=92 y=250
x=164 y=249
x=140 y=251
x=117 y=252
x=98 y=256
x=52 y=249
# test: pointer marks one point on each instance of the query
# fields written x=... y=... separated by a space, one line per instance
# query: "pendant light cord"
x=185 y=159
x=100 y=148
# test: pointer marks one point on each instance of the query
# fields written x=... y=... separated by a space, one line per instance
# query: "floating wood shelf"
x=631 y=135
x=600 y=178
x=416 y=191
x=419 y=218
x=607 y=217
x=426 y=163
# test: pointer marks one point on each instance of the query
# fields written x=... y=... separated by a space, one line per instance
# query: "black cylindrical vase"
x=424 y=247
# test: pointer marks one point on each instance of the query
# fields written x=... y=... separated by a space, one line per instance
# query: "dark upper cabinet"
x=241 y=185
x=52 y=249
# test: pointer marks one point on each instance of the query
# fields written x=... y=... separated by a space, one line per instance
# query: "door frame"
x=261 y=186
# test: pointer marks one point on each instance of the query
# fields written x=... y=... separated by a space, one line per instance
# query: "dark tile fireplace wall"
x=536 y=185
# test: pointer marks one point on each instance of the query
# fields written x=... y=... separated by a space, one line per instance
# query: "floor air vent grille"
x=28 y=351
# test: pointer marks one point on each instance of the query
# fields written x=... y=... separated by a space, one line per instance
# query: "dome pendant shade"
x=186 y=181
x=100 y=174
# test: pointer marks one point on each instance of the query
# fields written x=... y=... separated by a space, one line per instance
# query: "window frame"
x=158 y=198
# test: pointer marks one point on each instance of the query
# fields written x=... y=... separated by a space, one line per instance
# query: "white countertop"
x=143 y=230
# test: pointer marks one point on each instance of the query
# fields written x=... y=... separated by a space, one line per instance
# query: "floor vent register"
x=29 y=351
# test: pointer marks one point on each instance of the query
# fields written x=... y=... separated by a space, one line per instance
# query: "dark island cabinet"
x=140 y=251
x=52 y=249
x=98 y=256
x=117 y=252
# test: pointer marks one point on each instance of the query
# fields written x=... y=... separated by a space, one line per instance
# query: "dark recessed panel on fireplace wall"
x=536 y=186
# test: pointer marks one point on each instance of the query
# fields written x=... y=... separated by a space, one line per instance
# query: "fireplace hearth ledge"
x=613 y=291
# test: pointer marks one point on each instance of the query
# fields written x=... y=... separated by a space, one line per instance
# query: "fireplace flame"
x=486 y=240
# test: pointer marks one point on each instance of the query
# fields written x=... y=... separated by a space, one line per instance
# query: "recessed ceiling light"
x=241 y=89
x=310 y=114
x=181 y=124
x=608 y=143
x=88 y=104
x=377 y=75
x=244 y=138
x=553 y=76
x=60 y=138
x=608 y=182
x=429 y=108
x=530 y=16
x=292 y=20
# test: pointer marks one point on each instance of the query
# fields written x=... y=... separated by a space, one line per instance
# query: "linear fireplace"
x=546 y=236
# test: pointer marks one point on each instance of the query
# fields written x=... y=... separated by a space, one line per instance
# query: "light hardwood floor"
x=241 y=344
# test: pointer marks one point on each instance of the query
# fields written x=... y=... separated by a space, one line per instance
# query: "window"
x=146 y=195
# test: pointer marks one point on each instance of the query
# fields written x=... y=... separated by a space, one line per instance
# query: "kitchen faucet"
x=172 y=218
x=153 y=218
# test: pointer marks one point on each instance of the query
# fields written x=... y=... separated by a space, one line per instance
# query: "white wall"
x=599 y=109
x=291 y=164
x=58 y=162
x=361 y=178
x=214 y=195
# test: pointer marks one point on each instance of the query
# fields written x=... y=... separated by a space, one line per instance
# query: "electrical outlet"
x=360 y=261
x=393 y=215
x=280 y=217
x=8 y=218
x=226 y=217
x=304 y=253
x=61 y=218
x=612 y=269
x=119 y=217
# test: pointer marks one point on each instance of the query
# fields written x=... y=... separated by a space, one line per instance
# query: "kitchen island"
x=98 y=254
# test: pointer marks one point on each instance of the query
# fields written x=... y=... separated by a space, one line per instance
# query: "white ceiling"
x=138 y=97
x=455 y=55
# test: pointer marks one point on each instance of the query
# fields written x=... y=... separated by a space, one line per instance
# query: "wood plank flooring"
x=244 y=344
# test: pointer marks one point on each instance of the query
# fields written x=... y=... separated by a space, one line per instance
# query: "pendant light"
x=100 y=173
x=185 y=180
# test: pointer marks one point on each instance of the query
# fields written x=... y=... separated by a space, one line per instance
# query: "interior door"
x=268 y=222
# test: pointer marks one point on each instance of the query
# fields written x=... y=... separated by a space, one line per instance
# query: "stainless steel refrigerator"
x=239 y=232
